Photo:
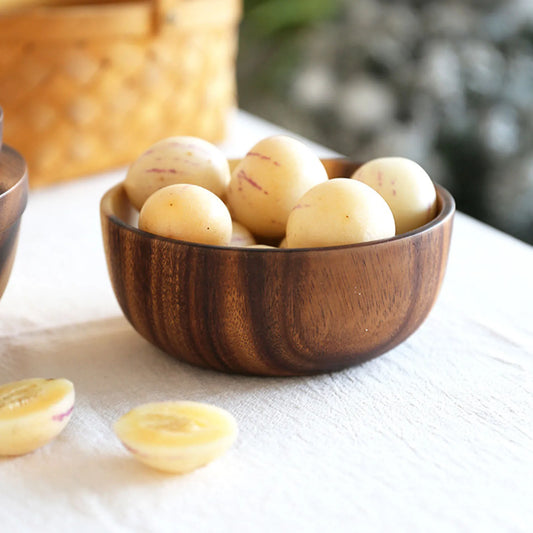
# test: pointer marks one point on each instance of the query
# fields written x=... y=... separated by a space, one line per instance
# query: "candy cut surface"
x=33 y=412
x=176 y=437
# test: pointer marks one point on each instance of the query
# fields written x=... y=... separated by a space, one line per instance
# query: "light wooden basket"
x=89 y=87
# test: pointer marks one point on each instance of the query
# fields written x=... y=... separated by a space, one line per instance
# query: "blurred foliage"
x=444 y=82
x=270 y=42
x=267 y=18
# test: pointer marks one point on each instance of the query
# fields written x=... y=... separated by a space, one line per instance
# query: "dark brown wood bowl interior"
x=280 y=312
x=13 y=198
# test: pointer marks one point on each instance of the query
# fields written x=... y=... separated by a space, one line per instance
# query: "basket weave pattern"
x=80 y=107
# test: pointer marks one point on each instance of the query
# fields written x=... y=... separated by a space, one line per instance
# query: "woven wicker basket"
x=89 y=87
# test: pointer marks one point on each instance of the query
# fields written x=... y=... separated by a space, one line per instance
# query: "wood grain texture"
x=275 y=312
x=13 y=198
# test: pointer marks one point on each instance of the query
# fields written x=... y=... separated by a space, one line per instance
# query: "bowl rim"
x=445 y=201
x=18 y=188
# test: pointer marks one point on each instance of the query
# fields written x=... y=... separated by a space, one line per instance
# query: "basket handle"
x=106 y=19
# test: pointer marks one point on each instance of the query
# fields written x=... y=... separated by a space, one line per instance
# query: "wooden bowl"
x=275 y=312
x=13 y=198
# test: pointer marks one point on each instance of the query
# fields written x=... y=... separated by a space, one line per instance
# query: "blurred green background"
x=446 y=83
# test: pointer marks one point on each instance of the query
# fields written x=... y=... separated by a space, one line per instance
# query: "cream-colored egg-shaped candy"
x=177 y=160
x=268 y=182
x=241 y=235
x=187 y=212
x=406 y=187
x=339 y=211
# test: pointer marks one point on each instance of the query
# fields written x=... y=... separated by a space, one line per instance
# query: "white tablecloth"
x=436 y=435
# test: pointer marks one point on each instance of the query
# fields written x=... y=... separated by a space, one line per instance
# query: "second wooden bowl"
x=275 y=312
x=13 y=198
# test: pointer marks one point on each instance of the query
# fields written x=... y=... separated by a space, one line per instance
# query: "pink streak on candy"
x=187 y=161
x=159 y=170
x=61 y=416
x=242 y=175
x=262 y=156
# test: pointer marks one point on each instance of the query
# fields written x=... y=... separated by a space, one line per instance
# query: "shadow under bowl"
x=275 y=312
x=13 y=199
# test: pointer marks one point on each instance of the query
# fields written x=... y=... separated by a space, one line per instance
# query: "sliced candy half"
x=176 y=437
x=33 y=412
